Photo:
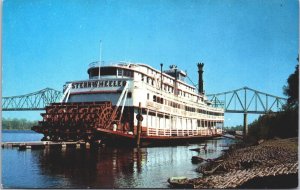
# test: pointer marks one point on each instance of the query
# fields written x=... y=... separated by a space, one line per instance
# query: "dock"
x=46 y=144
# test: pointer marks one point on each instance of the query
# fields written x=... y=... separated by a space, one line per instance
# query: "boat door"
x=173 y=125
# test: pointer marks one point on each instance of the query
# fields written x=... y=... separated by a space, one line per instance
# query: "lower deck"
x=118 y=138
x=85 y=120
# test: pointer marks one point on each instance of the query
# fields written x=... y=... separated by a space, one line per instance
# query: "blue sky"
x=242 y=43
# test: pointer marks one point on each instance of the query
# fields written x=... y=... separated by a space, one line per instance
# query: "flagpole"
x=100 y=59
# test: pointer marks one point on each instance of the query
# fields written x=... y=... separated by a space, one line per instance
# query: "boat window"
x=128 y=73
x=120 y=72
x=158 y=99
x=108 y=71
x=144 y=111
x=160 y=115
x=198 y=123
x=152 y=113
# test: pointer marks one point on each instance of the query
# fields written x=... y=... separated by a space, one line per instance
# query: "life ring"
x=139 y=117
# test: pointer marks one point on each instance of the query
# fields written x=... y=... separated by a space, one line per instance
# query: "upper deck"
x=142 y=79
x=139 y=71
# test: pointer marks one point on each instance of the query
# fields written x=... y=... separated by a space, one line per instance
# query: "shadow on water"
x=105 y=167
x=102 y=168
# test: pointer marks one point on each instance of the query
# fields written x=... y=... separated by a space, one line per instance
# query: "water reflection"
x=109 y=167
x=104 y=167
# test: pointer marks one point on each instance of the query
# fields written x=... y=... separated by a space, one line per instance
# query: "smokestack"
x=200 y=80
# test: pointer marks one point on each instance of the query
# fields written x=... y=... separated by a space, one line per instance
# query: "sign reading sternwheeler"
x=98 y=84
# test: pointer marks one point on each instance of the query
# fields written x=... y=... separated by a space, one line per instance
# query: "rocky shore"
x=269 y=164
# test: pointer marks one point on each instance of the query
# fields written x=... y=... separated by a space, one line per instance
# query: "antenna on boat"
x=100 y=58
x=161 y=76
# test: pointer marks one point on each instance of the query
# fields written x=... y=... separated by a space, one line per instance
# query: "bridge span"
x=247 y=100
x=32 y=101
x=243 y=100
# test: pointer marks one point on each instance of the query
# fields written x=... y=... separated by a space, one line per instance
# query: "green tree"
x=282 y=124
x=19 y=124
x=292 y=89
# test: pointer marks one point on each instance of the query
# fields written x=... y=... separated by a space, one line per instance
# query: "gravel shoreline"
x=270 y=164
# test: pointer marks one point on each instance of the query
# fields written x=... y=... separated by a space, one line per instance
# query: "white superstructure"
x=170 y=106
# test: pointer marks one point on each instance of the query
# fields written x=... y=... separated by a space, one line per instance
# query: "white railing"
x=110 y=63
x=182 y=132
x=96 y=64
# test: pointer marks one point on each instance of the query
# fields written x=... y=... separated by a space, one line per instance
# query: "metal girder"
x=32 y=101
x=247 y=100
x=242 y=100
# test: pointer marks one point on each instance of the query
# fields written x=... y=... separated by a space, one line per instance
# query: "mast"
x=100 y=58
x=161 y=76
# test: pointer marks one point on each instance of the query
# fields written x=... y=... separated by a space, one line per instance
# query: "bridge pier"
x=245 y=131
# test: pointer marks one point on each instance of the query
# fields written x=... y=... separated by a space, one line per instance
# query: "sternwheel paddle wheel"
x=76 y=121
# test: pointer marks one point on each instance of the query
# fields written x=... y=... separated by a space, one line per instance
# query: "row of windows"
x=113 y=71
x=125 y=72
x=166 y=87
x=166 y=79
x=183 y=107
x=110 y=71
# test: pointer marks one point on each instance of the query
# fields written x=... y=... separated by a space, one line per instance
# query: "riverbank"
x=270 y=164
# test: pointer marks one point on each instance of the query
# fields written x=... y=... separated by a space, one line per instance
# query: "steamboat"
x=127 y=103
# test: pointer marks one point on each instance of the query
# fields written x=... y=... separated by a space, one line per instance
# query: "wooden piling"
x=42 y=144
x=63 y=146
x=87 y=145
x=245 y=129
x=139 y=117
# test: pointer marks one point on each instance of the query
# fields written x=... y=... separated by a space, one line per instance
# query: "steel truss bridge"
x=246 y=100
x=243 y=100
x=32 y=101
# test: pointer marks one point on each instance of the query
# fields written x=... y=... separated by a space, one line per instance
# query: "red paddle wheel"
x=76 y=120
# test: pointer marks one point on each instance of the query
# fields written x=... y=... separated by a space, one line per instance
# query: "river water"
x=105 y=167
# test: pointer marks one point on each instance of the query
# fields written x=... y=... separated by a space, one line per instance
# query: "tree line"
x=17 y=124
x=283 y=124
x=234 y=128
